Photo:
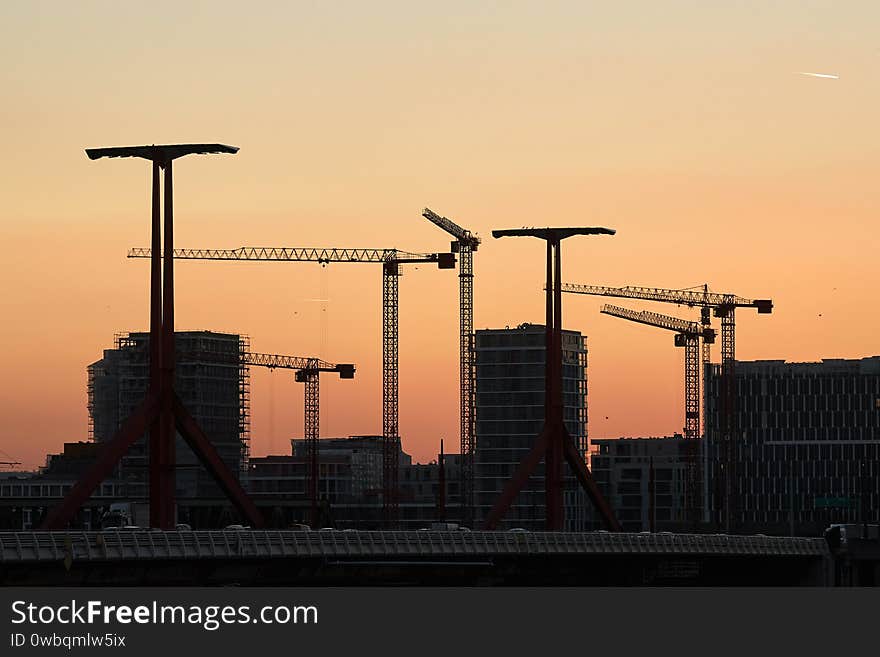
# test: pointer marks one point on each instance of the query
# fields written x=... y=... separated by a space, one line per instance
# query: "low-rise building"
x=350 y=485
x=643 y=480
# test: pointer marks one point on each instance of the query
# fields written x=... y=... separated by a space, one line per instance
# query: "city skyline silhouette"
x=686 y=130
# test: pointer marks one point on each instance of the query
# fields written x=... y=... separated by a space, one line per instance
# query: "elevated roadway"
x=434 y=557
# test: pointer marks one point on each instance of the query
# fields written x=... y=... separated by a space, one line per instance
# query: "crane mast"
x=687 y=335
x=465 y=244
x=724 y=307
x=306 y=370
x=390 y=392
x=391 y=260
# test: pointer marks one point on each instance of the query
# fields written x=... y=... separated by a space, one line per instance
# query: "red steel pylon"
x=554 y=442
x=161 y=412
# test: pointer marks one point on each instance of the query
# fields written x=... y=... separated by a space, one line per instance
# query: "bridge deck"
x=24 y=547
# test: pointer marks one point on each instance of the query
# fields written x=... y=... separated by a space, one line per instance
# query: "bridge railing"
x=246 y=544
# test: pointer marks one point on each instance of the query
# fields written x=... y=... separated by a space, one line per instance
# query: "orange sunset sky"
x=685 y=125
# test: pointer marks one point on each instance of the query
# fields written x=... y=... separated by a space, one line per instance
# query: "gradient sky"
x=682 y=124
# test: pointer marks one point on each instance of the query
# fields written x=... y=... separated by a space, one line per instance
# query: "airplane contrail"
x=829 y=76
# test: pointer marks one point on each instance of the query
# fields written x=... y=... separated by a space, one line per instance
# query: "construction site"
x=169 y=438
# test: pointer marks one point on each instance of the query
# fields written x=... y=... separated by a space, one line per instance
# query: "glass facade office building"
x=807 y=444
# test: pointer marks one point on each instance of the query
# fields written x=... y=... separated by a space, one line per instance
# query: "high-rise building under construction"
x=510 y=413
x=211 y=382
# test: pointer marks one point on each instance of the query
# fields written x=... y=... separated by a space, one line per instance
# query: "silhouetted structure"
x=644 y=480
x=161 y=410
x=465 y=245
x=351 y=472
x=510 y=413
x=687 y=335
x=307 y=371
x=391 y=261
x=445 y=556
x=441 y=484
x=808 y=452
x=209 y=379
x=554 y=442
x=723 y=306
x=25 y=496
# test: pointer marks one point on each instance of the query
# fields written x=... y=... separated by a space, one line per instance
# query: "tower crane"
x=688 y=335
x=723 y=306
x=391 y=260
x=11 y=463
x=307 y=371
x=465 y=244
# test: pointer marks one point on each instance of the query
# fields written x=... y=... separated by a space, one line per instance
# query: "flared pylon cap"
x=161 y=153
x=553 y=234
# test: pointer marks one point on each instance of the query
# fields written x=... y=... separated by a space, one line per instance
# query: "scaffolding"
x=90 y=397
x=244 y=406
x=216 y=390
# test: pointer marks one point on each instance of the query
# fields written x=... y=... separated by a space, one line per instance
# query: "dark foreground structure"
x=161 y=412
x=554 y=444
x=440 y=558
